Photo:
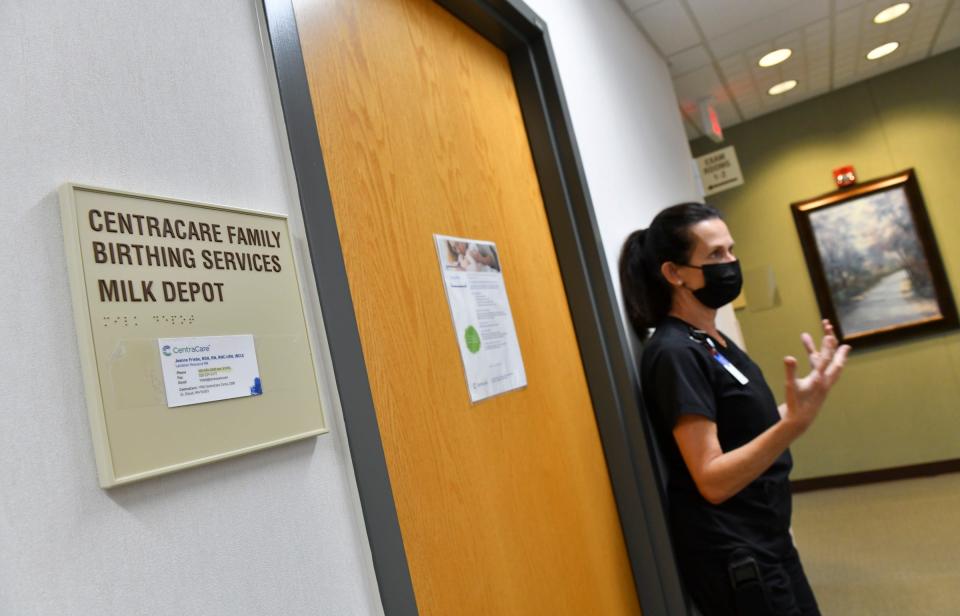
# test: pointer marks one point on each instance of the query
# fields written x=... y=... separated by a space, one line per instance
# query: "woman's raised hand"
x=806 y=395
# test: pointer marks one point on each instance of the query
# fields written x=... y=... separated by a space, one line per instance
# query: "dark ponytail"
x=646 y=293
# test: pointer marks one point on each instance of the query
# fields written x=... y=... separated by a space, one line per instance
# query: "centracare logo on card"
x=169 y=350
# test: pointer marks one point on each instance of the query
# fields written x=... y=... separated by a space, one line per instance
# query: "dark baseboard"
x=886 y=474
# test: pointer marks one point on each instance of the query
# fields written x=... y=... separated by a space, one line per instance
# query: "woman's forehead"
x=710 y=233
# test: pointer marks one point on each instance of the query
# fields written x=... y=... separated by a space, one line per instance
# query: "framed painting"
x=874 y=261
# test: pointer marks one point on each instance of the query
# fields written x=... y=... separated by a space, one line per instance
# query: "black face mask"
x=722 y=283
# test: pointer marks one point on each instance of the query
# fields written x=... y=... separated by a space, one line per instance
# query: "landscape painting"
x=873 y=259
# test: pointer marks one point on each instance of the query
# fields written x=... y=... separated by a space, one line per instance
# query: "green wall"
x=897 y=404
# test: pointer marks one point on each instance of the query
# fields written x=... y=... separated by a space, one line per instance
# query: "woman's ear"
x=670 y=273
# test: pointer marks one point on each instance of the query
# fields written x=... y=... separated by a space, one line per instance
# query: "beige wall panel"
x=135 y=433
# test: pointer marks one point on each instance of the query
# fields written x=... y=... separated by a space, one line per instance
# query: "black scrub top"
x=679 y=374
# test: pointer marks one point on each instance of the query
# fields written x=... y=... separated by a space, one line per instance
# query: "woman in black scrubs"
x=721 y=434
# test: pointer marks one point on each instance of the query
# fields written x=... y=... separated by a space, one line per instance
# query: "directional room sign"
x=719 y=170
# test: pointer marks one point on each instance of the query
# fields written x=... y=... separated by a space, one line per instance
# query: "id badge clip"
x=717 y=355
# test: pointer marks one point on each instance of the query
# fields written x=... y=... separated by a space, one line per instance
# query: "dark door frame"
x=522 y=35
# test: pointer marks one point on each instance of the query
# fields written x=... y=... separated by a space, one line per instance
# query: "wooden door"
x=505 y=507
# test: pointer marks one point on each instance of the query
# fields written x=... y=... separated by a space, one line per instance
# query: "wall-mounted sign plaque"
x=719 y=170
x=192 y=336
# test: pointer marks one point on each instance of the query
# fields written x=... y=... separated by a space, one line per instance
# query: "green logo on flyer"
x=472 y=338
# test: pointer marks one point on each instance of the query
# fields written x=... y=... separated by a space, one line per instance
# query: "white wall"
x=628 y=128
x=631 y=139
x=169 y=98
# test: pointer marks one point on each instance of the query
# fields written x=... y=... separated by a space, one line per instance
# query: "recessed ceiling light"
x=775 y=57
x=783 y=86
x=883 y=50
x=891 y=13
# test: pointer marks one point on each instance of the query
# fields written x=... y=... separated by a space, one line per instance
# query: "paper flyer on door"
x=482 y=319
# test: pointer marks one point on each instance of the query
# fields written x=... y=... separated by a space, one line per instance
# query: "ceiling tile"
x=686 y=61
x=914 y=56
x=751 y=110
x=793 y=40
x=755 y=52
x=917 y=45
x=772 y=103
x=821 y=27
x=949 y=36
x=765 y=81
x=697 y=84
x=819 y=75
x=927 y=27
x=933 y=5
x=819 y=87
x=741 y=86
x=840 y=81
x=946 y=43
x=732 y=65
x=817 y=44
x=848 y=22
x=842 y=5
x=795 y=16
x=819 y=55
x=829 y=38
x=703 y=83
x=669 y=26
